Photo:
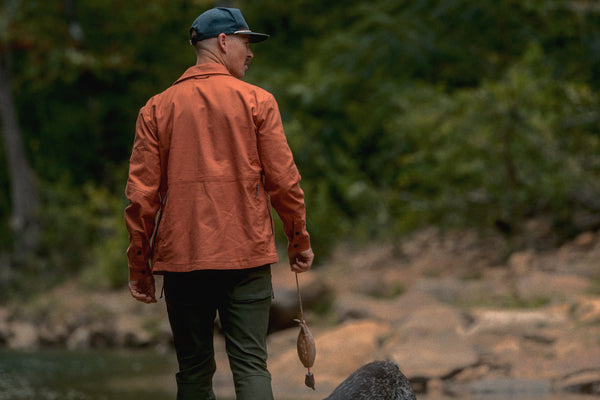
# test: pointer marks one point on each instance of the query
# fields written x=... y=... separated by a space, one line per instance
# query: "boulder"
x=587 y=381
x=431 y=357
x=520 y=263
x=499 y=321
x=4 y=326
x=53 y=334
x=23 y=335
x=463 y=291
x=429 y=320
x=539 y=285
x=505 y=388
x=349 y=306
x=586 y=310
x=131 y=332
x=431 y=344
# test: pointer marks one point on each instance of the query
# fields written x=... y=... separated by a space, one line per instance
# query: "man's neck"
x=208 y=56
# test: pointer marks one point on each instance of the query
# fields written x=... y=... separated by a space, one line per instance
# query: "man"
x=209 y=159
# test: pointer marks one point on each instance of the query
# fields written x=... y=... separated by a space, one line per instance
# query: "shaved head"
x=233 y=51
x=206 y=45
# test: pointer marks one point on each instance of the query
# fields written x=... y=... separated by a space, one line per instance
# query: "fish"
x=307 y=352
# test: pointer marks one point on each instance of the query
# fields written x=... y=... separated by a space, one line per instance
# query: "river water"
x=148 y=375
x=94 y=375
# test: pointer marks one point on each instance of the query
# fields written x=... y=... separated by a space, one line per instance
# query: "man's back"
x=207 y=121
x=220 y=141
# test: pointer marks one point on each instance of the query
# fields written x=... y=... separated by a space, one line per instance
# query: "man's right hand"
x=143 y=289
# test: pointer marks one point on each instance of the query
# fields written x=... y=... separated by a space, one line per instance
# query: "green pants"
x=242 y=299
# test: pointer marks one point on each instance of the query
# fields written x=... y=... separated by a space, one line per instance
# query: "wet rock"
x=433 y=319
x=545 y=286
x=587 y=382
x=350 y=306
x=131 y=332
x=431 y=357
x=23 y=335
x=95 y=335
x=561 y=352
x=79 y=339
x=503 y=388
x=443 y=289
x=460 y=291
x=586 y=310
x=4 y=326
x=431 y=343
x=585 y=240
x=53 y=334
x=347 y=347
x=515 y=320
x=521 y=262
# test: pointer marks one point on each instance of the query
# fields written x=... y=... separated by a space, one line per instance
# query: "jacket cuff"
x=136 y=274
x=299 y=240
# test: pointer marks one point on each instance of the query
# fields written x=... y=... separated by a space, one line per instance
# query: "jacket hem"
x=159 y=267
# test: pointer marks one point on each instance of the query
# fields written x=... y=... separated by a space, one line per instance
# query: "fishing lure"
x=307 y=351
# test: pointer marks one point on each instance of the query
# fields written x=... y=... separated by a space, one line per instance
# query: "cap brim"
x=255 y=37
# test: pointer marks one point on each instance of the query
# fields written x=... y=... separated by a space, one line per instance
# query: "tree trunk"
x=24 y=197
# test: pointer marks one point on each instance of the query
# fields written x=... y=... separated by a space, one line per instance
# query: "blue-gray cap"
x=222 y=20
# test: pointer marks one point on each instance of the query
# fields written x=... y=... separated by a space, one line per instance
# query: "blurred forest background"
x=401 y=114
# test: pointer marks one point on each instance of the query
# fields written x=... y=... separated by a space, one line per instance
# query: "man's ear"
x=222 y=41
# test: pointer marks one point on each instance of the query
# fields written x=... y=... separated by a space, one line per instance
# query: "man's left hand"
x=302 y=260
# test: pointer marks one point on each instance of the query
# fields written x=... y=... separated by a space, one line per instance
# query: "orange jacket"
x=214 y=148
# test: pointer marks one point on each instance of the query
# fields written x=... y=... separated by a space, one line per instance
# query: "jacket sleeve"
x=142 y=192
x=282 y=179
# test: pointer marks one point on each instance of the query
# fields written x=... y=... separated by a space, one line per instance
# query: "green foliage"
x=400 y=113
x=84 y=238
x=406 y=113
x=509 y=149
x=107 y=267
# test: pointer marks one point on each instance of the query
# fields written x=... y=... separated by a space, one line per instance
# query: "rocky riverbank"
x=458 y=313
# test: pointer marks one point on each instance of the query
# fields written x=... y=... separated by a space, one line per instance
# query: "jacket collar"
x=203 y=70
